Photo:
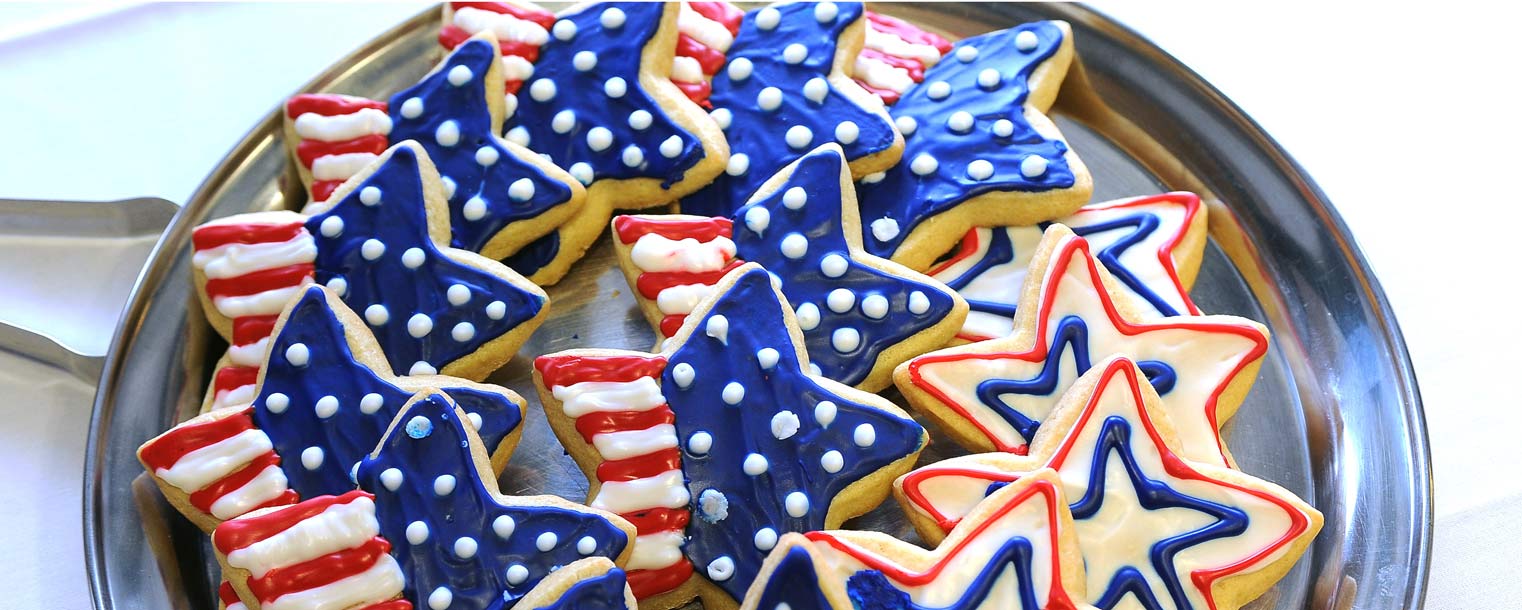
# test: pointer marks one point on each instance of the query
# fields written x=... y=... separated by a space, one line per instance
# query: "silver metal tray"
x=1335 y=415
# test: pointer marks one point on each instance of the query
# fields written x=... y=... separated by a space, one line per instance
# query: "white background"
x=1406 y=116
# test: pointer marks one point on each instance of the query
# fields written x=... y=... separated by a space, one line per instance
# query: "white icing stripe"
x=382 y=581
x=504 y=26
x=206 y=465
x=665 y=490
x=237 y=606
x=702 y=29
x=516 y=68
x=891 y=44
x=682 y=299
x=338 y=527
x=274 y=217
x=656 y=551
x=686 y=70
x=624 y=445
x=881 y=75
x=249 y=355
x=241 y=396
x=341 y=127
x=233 y=260
x=656 y=253
x=265 y=486
x=341 y=167
x=579 y=399
x=264 y=303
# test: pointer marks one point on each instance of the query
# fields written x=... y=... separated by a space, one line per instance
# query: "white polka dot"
x=615 y=87
x=1026 y=41
x=846 y=132
x=457 y=294
x=332 y=226
x=767 y=19
x=834 y=265
x=369 y=195
x=326 y=407
x=816 y=90
x=412 y=108
x=447 y=134
x=474 y=208
x=906 y=125
x=864 y=435
x=372 y=249
x=510 y=101
x=795 y=53
x=391 y=478
x=640 y=120
x=960 y=121
x=633 y=156
x=797 y=504
x=417 y=532
x=967 y=54
x=824 y=413
x=845 y=340
x=599 y=138
x=918 y=303
x=487 y=156
x=475 y=420
x=518 y=135
x=808 y=316
x=584 y=60
x=873 y=177
x=587 y=545
x=721 y=116
x=444 y=485
x=339 y=286
x=795 y=245
x=875 y=306
x=1032 y=166
x=766 y=538
x=840 y=300
x=546 y=541
x=980 y=169
x=799 y=137
x=683 y=374
x=1004 y=128
x=581 y=172
x=459 y=75
x=755 y=464
x=784 y=425
x=700 y=443
x=297 y=354
x=463 y=332
x=612 y=18
x=440 y=599
x=718 y=328
x=769 y=98
x=422 y=368
x=496 y=309
x=311 y=458
x=565 y=29
x=739 y=163
x=412 y=258
x=419 y=325
x=938 y=90
x=465 y=547
x=884 y=229
x=740 y=69
x=721 y=569
x=371 y=403
x=989 y=79
x=757 y=219
x=516 y=574
x=563 y=121
x=543 y=90
x=815 y=370
x=277 y=402
x=923 y=164
x=503 y=526
x=733 y=393
x=671 y=147
x=832 y=461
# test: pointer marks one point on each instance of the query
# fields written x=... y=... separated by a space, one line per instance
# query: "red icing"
x=658 y=520
x=570 y=369
x=697 y=92
x=907 y=31
x=452 y=36
x=1191 y=204
x=226 y=594
x=723 y=12
x=513 y=86
x=207 y=237
x=234 y=377
x=915 y=69
x=309 y=150
x=238 y=533
x=206 y=496
x=888 y=96
x=646 y=583
x=329 y=104
x=260 y=281
x=317 y=572
x=544 y=18
x=640 y=467
x=323 y=189
x=651 y=284
x=709 y=58
x=168 y=448
x=593 y=424
x=914 y=479
x=395 y=604
x=672 y=323
x=630 y=228
x=248 y=330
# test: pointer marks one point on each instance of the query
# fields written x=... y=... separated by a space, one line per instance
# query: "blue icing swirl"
x=449 y=533
x=1001 y=251
x=602 y=592
x=287 y=407
x=486 y=197
x=744 y=408
x=816 y=225
x=911 y=192
x=376 y=242
x=1142 y=225
x=794 y=582
x=594 y=74
x=1115 y=437
x=871 y=589
x=760 y=60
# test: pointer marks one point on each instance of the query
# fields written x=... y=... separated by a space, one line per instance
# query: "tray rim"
x=160 y=260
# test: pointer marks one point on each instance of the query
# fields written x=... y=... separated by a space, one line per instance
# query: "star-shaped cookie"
x=1156 y=529
x=993 y=395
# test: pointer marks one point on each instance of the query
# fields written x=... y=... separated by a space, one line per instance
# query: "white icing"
x=795 y=198
x=340 y=167
x=341 y=127
x=799 y=137
x=633 y=156
x=585 y=397
x=784 y=423
x=207 y=465
x=733 y=393
x=542 y=90
x=875 y=306
x=755 y=464
x=546 y=541
x=924 y=164
x=630 y=443
x=665 y=490
x=265 y=486
x=834 y=265
x=444 y=484
x=832 y=461
x=795 y=53
x=891 y=44
x=881 y=75
x=864 y=435
x=682 y=299
x=514 y=69
x=336 y=528
x=938 y=90
x=447 y=134
x=700 y=443
x=563 y=121
x=824 y=413
x=846 y=132
x=599 y=138
x=757 y=219
x=504 y=26
x=796 y=504
x=980 y=169
x=740 y=69
x=989 y=78
x=808 y=316
x=412 y=258
x=249 y=355
x=918 y=303
x=722 y=116
x=1033 y=166
x=1003 y=128
x=615 y=87
x=884 y=229
x=686 y=70
x=382 y=581
x=612 y=18
x=825 y=12
x=311 y=458
x=657 y=550
x=739 y=163
x=462 y=332
x=1026 y=41
x=440 y=598
x=459 y=75
x=967 y=53
x=656 y=253
x=769 y=98
x=794 y=245
x=710 y=33
x=845 y=339
x=671 y=147
x=768 y=18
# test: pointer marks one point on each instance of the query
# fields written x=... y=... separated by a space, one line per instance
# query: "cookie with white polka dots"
x=860 y=315
x=722 y=442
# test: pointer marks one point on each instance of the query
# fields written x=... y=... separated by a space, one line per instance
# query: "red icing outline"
x=640 y=467
x=647 y=583
x=308 y=150
x=206 y=496
x=169 y=447
x=544 y=18
x=323 y=189
x=211 y=236
x=329 y=104
x=630 y=228
x=603 y=422
x=565 y=370
x=234 y=377
x=318 y=572
x=248 y=330
x=259 y=281
x=239 y=533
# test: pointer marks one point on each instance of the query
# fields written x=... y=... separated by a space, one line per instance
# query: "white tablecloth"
x=1405 y=117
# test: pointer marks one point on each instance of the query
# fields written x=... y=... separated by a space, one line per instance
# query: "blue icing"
x=1115 y=437
x=484 y=200
x=665 y=151
x=794 y=582
x=1001 y=251
x=534 y=256
x=761 y=135
x=871 y=589
x=464 y=550
x=602 y=592
x=1070 y=336
x=1142 y=225
x=807 y=285
x=396 y=219
x=286 y=408
x=908 y=198
x=754 y=317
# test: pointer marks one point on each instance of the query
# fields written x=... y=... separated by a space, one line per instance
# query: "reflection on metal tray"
x=1335 y=415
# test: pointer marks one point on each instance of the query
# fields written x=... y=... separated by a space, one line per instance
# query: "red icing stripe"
x=723 y=12
x=645 y=583
x=286 y=498
x=260 y=281
x=631 y=228
x=566 y=370
x=513 y=86
x=907 y=31
x=309 y=150
x=658 y=520
x=395 y=604
x=323 y=189
x=640 y=467
x=234 y=377
x=697 y=92
x=226 y=593
x=545 y=19
x=672 y=323
x=238 y=533
x=318 y=572
x=248 y=330
x=207 y=237
x=205 y=497
x=888 y=96
x=915 y=69
x=452 y=36
x=651 y=284
x=709 y=58
x=329 y=104
x=165 y=450
x=593 y=424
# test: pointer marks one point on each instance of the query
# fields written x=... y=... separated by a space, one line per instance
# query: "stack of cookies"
x=828 y=203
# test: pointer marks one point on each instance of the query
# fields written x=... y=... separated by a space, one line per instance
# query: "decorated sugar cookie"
x=994 y=395
x=332 y=137
x=860 y=315
x=586 y=584
x=1156 y=529
x=1151 y=245
x=1016 y=551
x=707 y=31
x=978 y=149
x=427 y=524
x=323 y=398
x=725 y=434
x=787 y=90
x=895 y=56
x=601 y=104
x=379 y=244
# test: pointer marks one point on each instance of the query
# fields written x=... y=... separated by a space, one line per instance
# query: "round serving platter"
x=1335 y=415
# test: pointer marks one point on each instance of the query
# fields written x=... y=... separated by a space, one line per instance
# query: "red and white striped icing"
x=254 y=264
x=618 y=408
x=705 y=32
x=679 y=259
x=226 y=465
x=895 y=56
x=326 y=552
x=337 y=136
x=229 y=597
